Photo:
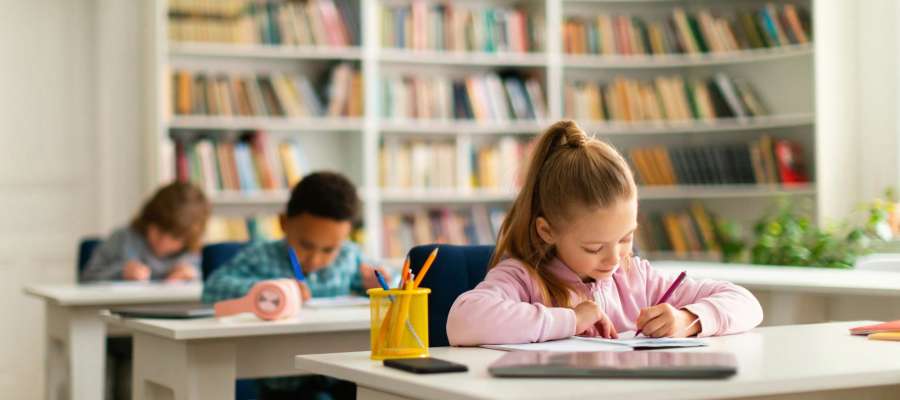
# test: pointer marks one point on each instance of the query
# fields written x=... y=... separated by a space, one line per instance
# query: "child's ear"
x=282 y=221
x=544 y=231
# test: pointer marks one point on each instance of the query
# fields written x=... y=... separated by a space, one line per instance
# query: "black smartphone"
x=425 y=365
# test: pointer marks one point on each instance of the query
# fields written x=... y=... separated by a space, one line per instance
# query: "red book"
x=892 y=326
x=790 y=162
x=181 y=163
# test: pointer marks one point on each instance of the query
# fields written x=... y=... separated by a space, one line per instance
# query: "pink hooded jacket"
x=507 y=306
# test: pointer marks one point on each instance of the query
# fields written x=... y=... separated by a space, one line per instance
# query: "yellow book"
x=892 y=336
x=676 y=237
x=291 y=169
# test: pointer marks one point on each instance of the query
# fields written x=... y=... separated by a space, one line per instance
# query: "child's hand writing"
x=135 y=271
x=368 y=275
x=182 y=272
x=305 y=292
x=588 y=314
x=663 y=320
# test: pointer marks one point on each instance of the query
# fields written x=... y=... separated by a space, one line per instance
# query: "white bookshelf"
x=245 y=51
x=688 y=60
x=351 y=145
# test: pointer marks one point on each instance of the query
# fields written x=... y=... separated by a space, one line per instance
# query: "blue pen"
x=298 y=271
x=383 y=283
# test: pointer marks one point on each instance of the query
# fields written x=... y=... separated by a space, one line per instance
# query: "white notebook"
x=625 y=342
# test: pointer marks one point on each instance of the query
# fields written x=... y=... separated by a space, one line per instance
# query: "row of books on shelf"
x=245 y=163
x=433 y=164
x=306 y=23
x=276 y=94
x=685 y=32
x=489 y=96
x=665 y=98
x=453 y=26
x=474 y=225
x=762 y=161
x=242 y=229
x=683 y=232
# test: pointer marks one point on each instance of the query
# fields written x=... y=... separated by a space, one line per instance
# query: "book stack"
x=763 y=161
x=476 y=225
x=432 y=164
x=666 y=98
x=453 y=27
x=250 y=163
x=275 y=94
x=484 y=97
x=418 y=164
x=497 y=165
x=290 y=23
x=686 y=232
x=241 y=229
x=682 y=32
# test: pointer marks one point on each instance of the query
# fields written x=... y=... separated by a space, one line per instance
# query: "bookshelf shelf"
x=724 y=191
x=249 y=51
x=445 y=196
x=266 y=123
x=699 y=126
x=686 y=60
x=710 y=256
x=449 y=127
x=436 y=57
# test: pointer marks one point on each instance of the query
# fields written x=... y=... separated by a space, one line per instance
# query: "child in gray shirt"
x=162 y=243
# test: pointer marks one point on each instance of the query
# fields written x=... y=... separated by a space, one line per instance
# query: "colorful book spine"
x=274 y=94
x=467 y=226
x=665 y=98
x=683 y=32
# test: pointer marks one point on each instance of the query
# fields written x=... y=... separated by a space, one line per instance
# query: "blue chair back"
x=85 y=250
x=456 y=269
x=214 y=256
x=217 y=254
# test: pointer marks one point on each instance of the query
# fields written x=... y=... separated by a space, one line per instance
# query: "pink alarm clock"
x=269 y=300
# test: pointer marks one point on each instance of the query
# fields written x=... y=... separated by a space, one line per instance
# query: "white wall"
x=64 y=170
x=877 y=53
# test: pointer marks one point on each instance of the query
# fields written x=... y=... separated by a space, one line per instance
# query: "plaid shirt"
x=270 y=260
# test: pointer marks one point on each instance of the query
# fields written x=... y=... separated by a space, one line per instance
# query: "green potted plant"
x=787 y=236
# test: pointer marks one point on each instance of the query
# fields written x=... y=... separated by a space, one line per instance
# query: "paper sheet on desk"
x=571 y=344
x=626 y=342
x=335 y=302
x=627 y=339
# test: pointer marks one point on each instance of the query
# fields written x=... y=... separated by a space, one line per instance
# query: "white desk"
x=76 y=337
x=817 y=361
x=202 y=358
x=792 y=295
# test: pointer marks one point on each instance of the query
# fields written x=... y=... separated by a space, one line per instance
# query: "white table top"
x=308 y=321
x=795 y=279
x=117 y=293
x=772 y=360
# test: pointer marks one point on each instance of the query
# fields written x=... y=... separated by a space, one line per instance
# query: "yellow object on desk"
x=895 y=336
x=391 y=335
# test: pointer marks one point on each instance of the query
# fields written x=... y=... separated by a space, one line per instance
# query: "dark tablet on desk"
x=616 y=364
x=165 y=311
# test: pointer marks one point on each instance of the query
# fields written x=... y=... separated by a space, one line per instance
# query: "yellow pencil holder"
x=399 y=323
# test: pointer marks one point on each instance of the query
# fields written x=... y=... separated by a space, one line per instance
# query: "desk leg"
x=364 y=393
x=75 y=363
x=182 y=369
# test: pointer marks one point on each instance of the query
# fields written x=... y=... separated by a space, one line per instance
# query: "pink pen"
x=668 y=293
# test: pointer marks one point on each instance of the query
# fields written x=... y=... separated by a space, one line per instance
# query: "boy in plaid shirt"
x=317 y=224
